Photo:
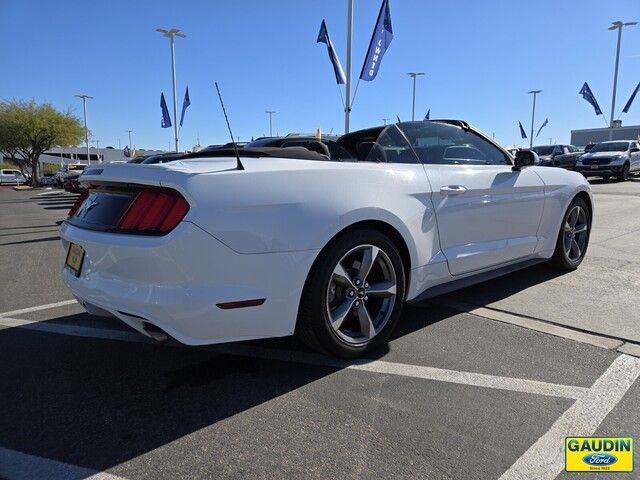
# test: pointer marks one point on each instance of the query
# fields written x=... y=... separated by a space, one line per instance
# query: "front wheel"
x=354 y=295
x=623 y=176
x=573 y=238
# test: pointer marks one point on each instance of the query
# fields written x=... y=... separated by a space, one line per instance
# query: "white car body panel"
x=255 y=233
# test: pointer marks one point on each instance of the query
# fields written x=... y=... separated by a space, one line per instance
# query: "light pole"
x=86 y=130
x=270 y=112
x=413 y=108
x=533 y=115
x=385 y=120
x=130 y=144
x=171 y=34
x=347 y=94
x=616 y=26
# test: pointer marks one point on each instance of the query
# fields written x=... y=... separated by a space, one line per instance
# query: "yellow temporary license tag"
x=598 y=454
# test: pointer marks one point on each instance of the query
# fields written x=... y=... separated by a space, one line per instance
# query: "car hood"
x=602 y=154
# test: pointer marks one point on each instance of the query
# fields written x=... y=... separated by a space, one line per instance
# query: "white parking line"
x=545 y=459
x=39 y=307
x=374 y=366
x=21 y=466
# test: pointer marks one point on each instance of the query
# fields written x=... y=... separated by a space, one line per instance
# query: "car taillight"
x=83 y=196
x=154 y=211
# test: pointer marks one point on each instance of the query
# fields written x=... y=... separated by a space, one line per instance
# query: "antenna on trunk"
x=235 y=147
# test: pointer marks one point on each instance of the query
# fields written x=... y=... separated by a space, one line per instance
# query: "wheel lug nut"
x=357 y=281
x=351 y=293
x=366 y=297
x=357 y=303
x=366 y=285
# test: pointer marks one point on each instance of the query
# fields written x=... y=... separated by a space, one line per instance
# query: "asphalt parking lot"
x=482 y=384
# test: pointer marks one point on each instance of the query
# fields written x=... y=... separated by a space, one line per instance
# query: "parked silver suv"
x=606 y=159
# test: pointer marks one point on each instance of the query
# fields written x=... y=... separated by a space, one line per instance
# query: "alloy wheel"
x=361 y=294
x=576 y=229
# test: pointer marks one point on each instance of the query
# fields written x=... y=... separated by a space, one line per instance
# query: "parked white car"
x=213 y=248
x=12 y=176
x=606 y=159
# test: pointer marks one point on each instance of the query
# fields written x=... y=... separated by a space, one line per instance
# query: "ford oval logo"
x=599 y=459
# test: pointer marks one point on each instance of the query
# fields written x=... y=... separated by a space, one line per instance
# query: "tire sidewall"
x=322 y=271
x=566 y=263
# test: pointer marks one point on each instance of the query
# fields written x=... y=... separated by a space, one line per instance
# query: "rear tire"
x=353 y=296
x=573 y=238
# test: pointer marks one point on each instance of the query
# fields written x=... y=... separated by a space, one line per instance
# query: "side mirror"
x=525 y=158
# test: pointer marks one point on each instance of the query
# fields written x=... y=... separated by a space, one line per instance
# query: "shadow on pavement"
x=500 y=288
x=98 y=403
x=35 y=240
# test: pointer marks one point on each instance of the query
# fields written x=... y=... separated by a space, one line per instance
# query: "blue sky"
x=480 y=59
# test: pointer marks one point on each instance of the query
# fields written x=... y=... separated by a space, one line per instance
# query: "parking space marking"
x=18 y=465
x=375 y=366
x=37 y=308
x=544 y=460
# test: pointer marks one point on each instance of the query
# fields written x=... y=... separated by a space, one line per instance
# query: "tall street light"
x=171 y=34
x=270 y=112
x=533 y=115
x=86 y=130
x=130 y=144
x=385 y=120
x=616 y=26
x=413 y=108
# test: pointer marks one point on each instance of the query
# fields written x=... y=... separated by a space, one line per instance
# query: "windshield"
x=545 y=150
x=610 y=147
x=429 y=142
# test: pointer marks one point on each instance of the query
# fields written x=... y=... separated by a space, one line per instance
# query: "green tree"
x=27 y=130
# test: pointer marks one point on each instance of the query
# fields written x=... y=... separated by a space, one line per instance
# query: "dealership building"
x=580 y=138
x=64 y=156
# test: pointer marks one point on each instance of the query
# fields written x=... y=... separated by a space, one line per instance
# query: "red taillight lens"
x=83 y=196
x=154 y=211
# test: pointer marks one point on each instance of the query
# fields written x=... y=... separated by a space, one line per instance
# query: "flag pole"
x=347 y=106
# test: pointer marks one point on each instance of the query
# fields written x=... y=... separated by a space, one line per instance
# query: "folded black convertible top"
x=300 y=153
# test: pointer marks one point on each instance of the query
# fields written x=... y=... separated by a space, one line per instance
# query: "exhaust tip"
x=154 y=332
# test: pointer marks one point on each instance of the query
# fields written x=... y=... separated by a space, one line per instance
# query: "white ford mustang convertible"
x=325 y=240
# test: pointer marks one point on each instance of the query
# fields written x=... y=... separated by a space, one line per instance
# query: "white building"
x=96 y=155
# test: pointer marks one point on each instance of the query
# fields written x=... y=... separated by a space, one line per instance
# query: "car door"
x=487 y=213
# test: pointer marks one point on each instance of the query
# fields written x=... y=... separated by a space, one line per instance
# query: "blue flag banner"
x=398 y=117
x=185 y=103
x=587 y=94
x=522 y=134
x=323 y=37
x=380 y=40
x=426 y=117
x=166 y=119
x=544 y=124
x=630 y=101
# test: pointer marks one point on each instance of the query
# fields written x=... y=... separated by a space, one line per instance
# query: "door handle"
x=452 y=189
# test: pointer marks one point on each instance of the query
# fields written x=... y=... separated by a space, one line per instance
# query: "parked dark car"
x=563 y=156
x=71 y=183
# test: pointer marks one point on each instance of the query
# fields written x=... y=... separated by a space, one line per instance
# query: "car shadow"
x=491 y=291
x=98 y=403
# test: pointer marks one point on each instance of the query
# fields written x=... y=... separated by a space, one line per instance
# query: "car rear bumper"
x=175 y=283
